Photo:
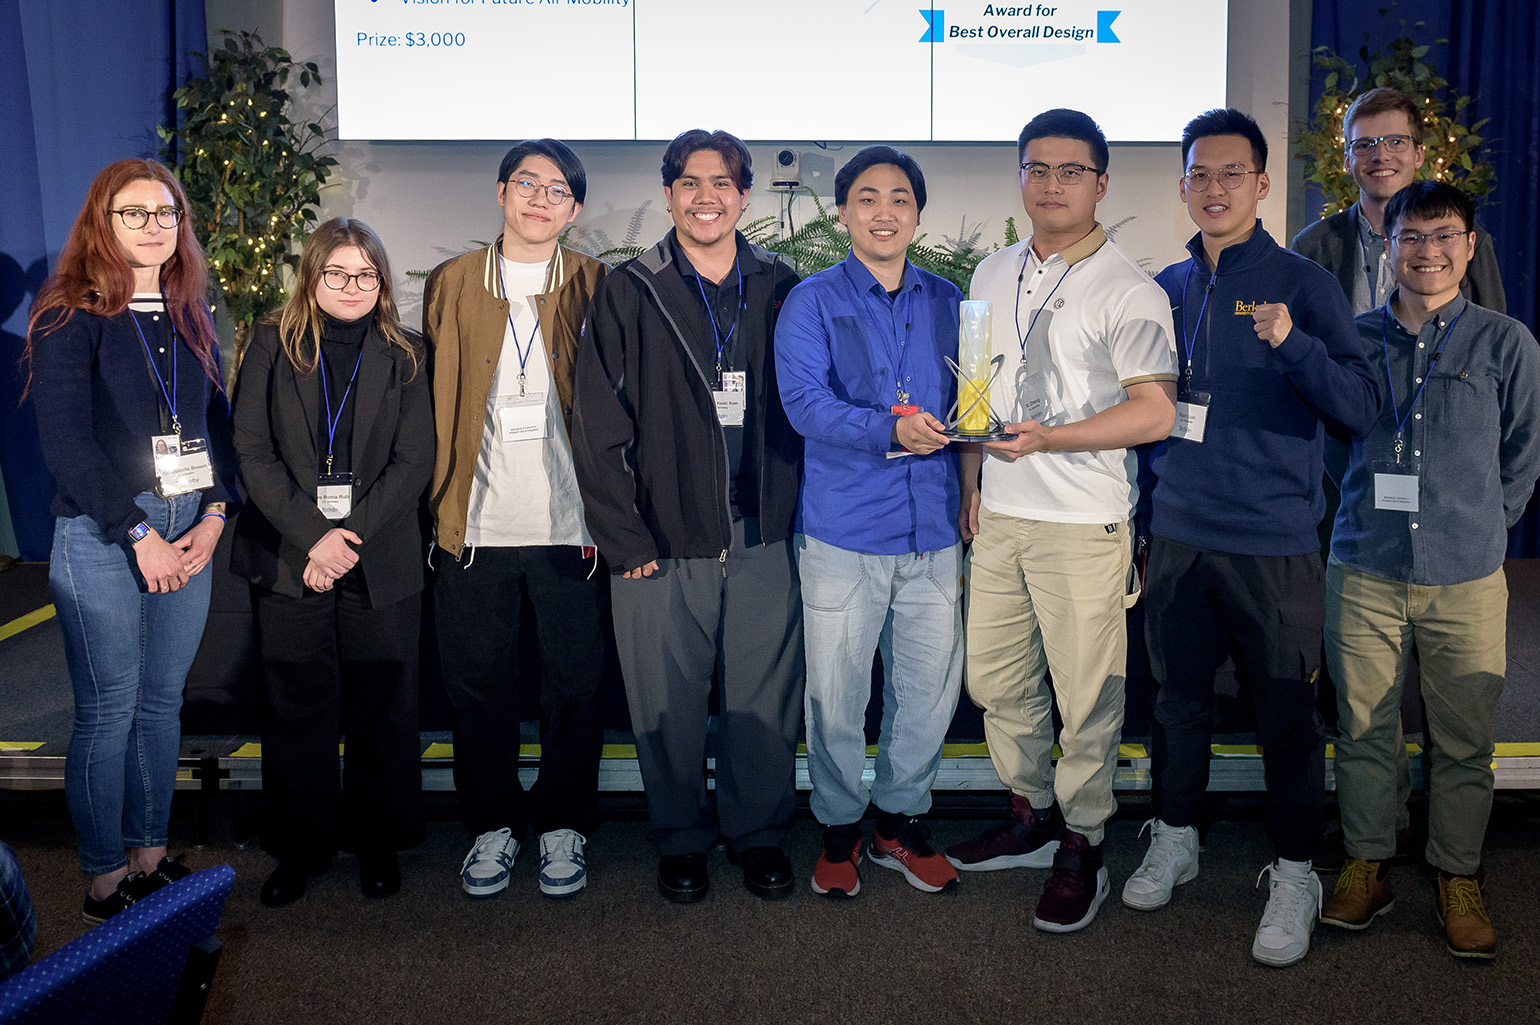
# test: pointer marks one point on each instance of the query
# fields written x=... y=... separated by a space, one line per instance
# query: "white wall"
x=429 y=201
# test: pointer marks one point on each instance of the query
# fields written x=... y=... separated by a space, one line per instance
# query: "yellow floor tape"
x=26 y=622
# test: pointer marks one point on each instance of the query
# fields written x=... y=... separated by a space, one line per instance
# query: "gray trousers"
x=672 y=631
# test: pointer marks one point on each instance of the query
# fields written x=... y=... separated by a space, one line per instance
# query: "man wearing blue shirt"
x=1416 y=561
x=860 y=354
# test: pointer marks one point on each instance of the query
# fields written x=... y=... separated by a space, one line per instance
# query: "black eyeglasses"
x=136 y=217
x=337 y=280
x=556 y=195
x=1440 y=239
x=1229 y=178
x=1392 y=144
x=1037 y=172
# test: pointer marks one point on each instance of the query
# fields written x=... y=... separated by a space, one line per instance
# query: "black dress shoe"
x=379 y=873
x=682 y=877
x=287 y=883
x=766 y=871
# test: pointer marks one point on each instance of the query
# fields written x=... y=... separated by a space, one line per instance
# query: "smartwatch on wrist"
x=138 y=532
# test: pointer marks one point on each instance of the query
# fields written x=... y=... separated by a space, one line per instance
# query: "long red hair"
x=93 y=276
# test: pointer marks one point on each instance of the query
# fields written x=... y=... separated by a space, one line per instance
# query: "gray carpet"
x=619 y=953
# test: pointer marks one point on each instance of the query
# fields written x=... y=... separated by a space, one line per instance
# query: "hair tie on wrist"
x=213 y=512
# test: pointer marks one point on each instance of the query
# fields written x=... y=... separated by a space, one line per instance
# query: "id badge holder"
x=522 y=418
x=184 y=467
x=1191 y=415
x=1395 y=485
x=334 y=495
x=903 y=409
x=731 y=398
x=1038 y=399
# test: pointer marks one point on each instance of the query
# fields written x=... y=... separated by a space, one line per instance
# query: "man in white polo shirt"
x=1090 y=370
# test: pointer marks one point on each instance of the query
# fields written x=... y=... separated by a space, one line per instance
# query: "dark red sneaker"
x=1077 y=887
x=1027 y=839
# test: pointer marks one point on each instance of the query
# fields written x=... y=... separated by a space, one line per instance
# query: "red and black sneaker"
x=1076 y=888
x=838 y=872
x=902 y=843
x=1027 y=839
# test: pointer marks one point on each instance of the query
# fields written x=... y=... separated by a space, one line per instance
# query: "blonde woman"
x=334 y=434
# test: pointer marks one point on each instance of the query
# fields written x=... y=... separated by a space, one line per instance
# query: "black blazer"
x=276 y=413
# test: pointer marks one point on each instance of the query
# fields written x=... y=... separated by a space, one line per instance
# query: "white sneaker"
x=1293 y=907
x=1171 y=861
x=563 y=869
x=486 y=868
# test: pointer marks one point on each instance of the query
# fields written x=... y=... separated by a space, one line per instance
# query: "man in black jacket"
x=689 y=472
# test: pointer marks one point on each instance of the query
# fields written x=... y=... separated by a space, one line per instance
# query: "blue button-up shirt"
x=845 y=353
x=1474 y=438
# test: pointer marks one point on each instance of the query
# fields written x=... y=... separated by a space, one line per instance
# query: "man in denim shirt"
x=860 y=353
x=1416 y=561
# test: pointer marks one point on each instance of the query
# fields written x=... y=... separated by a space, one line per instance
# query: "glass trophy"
x=971 y=418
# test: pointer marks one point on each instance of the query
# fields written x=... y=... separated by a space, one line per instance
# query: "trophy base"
x=993 y=434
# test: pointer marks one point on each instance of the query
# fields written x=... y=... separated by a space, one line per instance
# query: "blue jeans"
x=128 y=653
x=905 y=606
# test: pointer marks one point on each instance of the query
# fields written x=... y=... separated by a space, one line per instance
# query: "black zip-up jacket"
x=650 y=455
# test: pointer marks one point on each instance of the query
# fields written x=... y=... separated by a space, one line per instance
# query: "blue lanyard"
x=333 y=421
x=1190 y=343
x=903 y=345
x=1022 y=338
x=716 y=332
x=170 y=397
x=1427 y=375
x=524 y=351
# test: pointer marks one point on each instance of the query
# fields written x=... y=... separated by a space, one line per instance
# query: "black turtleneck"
x=341 y=343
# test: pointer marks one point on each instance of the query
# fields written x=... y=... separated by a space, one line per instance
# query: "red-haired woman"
x=334 y=430
x=136 y=431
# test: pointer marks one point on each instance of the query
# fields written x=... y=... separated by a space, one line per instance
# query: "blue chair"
x=150 y=963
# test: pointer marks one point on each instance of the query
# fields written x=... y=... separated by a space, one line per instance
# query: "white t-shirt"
x=1094 y=323
x=525 y=492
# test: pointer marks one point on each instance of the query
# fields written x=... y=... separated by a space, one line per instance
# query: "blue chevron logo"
x=936 y=33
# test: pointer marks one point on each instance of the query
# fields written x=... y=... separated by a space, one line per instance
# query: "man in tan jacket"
x=503 y=323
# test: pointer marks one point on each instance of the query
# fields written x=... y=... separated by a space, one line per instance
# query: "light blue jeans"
x=906 y=606
x=128 y=653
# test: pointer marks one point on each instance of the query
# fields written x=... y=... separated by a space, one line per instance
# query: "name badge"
x=334 y=495
x=902 y=409
x=731 y=399
x=1395 y=486
x=1191 y=416
x=181 y=464
x=1037 y=399
x=522 y=417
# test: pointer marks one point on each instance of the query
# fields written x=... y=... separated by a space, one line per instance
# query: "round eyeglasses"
x=1229 y=178
x=556 y=195
x=337 y=280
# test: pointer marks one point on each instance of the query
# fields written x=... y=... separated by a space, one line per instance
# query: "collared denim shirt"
x=842 y=344
x=1474 y=437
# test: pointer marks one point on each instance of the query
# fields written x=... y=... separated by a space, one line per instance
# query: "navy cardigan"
x=98 y=406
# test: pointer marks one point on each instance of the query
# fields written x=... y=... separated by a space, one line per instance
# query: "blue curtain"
x=1490 y=57
x=83 y=84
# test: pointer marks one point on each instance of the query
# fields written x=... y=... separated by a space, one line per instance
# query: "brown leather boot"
x=1467 y=929
x=1363 y=893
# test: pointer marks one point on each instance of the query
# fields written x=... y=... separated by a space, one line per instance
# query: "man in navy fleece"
x=1269 y=358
